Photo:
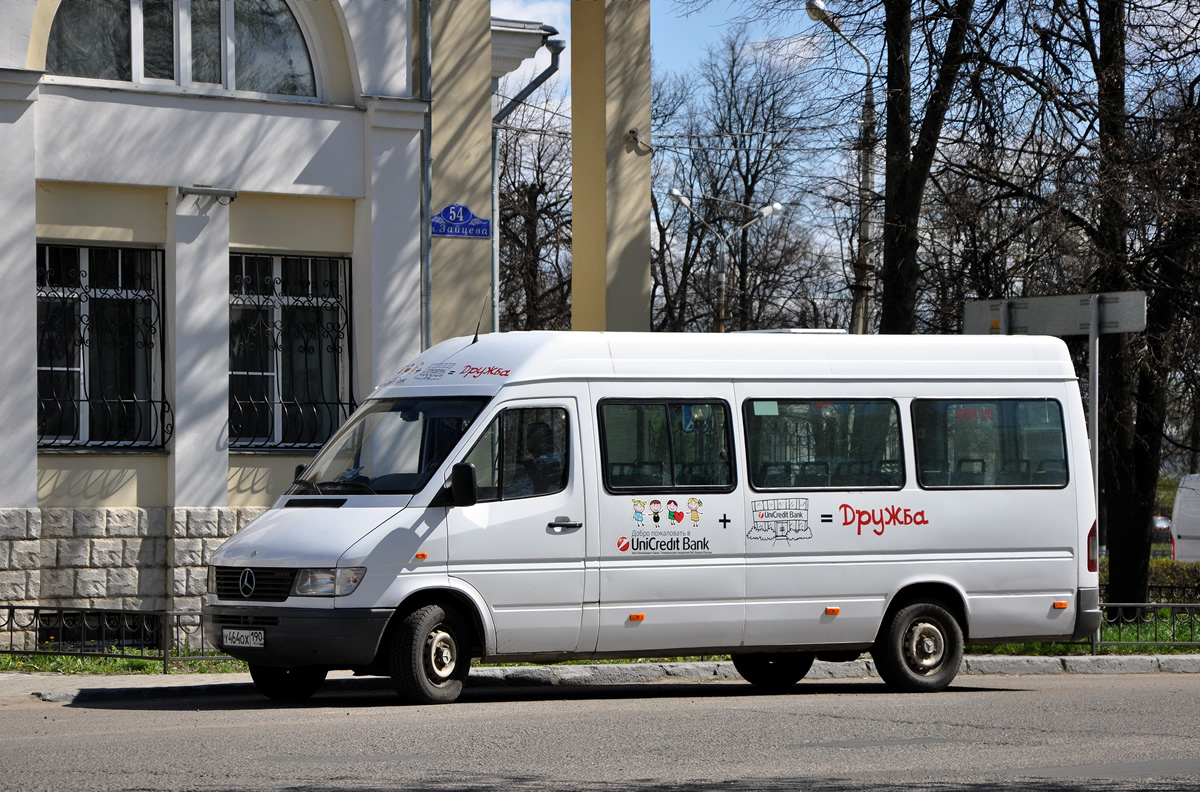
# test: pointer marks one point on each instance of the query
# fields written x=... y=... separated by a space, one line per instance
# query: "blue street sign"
x=457 y=220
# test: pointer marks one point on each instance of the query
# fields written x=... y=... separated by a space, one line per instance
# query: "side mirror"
x=299 y=471
x=464 y=487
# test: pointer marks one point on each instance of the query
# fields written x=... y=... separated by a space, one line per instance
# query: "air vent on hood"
x=315 y=503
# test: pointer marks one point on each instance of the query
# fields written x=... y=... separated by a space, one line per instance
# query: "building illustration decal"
x=779 y=518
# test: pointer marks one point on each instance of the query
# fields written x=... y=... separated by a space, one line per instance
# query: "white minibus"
x=551 y=496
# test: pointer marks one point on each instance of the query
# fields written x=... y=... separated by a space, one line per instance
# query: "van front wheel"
x=775 y=671
x=919 y=649
x=430 y=656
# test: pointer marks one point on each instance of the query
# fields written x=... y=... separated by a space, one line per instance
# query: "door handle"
x=560 y=524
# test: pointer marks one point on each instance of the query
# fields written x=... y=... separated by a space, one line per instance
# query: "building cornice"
x=19 y=85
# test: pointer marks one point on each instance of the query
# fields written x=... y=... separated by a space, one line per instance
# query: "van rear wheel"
x=919 y=649
x=430 y=656
x=775 y=671
x=287 y=684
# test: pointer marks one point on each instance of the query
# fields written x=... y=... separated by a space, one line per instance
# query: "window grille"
x=100 y=347
x=289 y=349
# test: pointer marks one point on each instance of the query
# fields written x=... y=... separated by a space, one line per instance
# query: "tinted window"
x=990 y=443
x=666 y=445
x=826 y=443
x=522 y=453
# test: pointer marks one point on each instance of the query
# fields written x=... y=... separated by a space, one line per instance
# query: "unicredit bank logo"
x=623 y=544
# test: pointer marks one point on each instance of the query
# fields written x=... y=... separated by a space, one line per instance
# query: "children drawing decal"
x=670 y=536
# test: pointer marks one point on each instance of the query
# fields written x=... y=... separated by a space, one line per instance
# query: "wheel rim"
x=441 y=655
x=924 y=647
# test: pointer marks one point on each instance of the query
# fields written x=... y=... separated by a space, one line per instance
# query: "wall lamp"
x=211 y=192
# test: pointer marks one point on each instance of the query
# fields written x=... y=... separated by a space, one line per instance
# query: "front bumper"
x=301 y=636
x=1088 y=614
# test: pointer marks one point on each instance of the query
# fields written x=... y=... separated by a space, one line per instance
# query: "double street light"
x=861 y=288
x=763 y=211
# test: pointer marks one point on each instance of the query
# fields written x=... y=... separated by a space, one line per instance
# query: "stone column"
x=610 y=97
x=461 y=118
x=18 y=302
x=390 y=247
x=198 y=352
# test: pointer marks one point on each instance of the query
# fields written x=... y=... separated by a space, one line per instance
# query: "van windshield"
x=389 y=446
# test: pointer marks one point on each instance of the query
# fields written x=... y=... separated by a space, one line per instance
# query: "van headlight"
x=327 y=582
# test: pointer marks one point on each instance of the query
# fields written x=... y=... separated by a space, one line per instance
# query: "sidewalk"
x=69 y=688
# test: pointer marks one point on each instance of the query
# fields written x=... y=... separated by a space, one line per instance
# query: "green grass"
x=74 y=664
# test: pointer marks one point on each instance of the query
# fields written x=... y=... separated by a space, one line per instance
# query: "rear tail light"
x=1093 y=550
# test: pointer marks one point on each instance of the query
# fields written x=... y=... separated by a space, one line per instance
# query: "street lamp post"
x=763 y=211
x=861 y=287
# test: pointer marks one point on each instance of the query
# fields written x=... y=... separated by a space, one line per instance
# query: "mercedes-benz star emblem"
x=246 y=583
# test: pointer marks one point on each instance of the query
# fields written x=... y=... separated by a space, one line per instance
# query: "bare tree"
x=535 y=215
x=733 y=140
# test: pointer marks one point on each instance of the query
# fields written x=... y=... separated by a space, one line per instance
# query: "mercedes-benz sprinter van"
x=776 y=497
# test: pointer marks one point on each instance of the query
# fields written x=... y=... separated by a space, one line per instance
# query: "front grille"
x=271 y=584
x=230 y=620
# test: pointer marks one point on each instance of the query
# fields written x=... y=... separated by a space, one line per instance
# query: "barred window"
x=289 y=349
x=100 y=347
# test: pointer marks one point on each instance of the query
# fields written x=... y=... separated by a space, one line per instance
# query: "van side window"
x=522 y=453
x=989 y=443
x=823 y=444
x=665 y=446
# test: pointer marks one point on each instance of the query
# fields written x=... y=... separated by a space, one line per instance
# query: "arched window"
x=253 y=46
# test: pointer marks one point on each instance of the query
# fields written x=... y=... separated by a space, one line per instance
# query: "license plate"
x=243 y=639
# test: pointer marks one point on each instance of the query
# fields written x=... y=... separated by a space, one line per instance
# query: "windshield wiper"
x=306 y=483
x=362 y=486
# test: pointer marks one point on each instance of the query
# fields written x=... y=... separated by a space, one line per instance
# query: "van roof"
x=467 y=366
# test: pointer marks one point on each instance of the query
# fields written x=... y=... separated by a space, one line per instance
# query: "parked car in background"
x=1185 y=520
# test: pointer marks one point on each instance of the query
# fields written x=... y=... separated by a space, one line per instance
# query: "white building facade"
x=212 y=215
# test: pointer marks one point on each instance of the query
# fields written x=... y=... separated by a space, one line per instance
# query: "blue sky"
x=678 y=42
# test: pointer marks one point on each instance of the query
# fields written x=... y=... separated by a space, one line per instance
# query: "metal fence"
x=1148 y=624
x=162 y=636
x=178 y=636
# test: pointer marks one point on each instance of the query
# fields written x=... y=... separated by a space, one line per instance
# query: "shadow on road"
x=1024 y=784
x=377 y=692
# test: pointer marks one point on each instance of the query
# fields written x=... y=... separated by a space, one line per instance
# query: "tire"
x=919 y=649
x=430 y=656
x=774 y=671
x=287 y=684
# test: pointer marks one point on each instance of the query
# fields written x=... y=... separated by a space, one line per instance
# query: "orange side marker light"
x=1060 y=605
x=421 y=556
x=637 y=617
x=832 y=611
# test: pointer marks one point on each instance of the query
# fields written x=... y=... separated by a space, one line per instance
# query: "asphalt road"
x=1111 y=732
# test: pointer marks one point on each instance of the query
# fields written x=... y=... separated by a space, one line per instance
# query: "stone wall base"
x=130 y=559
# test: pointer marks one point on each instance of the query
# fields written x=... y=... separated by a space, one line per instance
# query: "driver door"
x=522 y=545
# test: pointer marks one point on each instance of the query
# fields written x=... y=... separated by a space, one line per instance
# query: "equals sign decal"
x=826 y=518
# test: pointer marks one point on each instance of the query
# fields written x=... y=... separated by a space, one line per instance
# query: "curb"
x=612 y=674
